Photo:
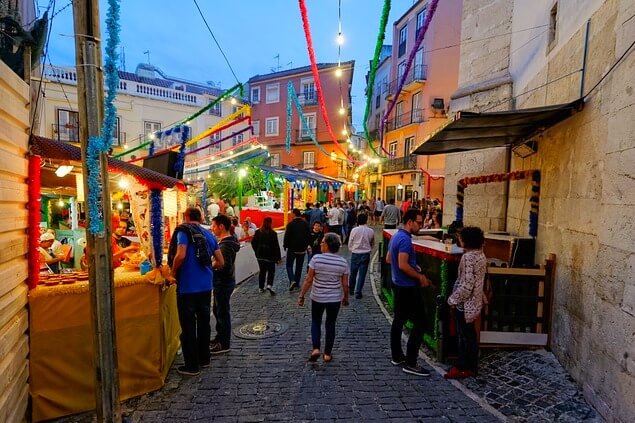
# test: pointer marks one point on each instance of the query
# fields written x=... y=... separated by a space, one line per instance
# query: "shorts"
x=377 y=213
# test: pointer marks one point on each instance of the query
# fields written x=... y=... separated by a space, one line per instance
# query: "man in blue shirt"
x=407 y=283
x=194 y=292
x=316 y=215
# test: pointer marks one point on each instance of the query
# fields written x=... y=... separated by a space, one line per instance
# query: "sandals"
x=315 y=354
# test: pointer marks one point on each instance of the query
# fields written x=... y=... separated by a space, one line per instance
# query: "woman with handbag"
x=267 y=249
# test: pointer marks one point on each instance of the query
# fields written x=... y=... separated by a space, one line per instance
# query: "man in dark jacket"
x=297 y=237
x=224 y=284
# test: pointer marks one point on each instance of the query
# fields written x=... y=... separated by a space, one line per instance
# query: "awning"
x=294 y=174
x=59 y=150
x=473 y=131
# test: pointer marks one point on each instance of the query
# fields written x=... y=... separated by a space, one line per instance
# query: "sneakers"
x=218 y=349
x=416 y=370
x=271 y=291
x=398 y=362
x=293 y=286
x=358 y=296
x=182 y=370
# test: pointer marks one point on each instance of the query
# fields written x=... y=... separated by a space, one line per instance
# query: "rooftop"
x=295 y=71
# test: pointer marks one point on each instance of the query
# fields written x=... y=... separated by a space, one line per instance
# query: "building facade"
x=518 y=55
x=147 y=101
x=268 y=96
x=421 y=106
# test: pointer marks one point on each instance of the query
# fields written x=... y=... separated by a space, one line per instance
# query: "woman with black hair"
x=328 y=280
x=267 y=249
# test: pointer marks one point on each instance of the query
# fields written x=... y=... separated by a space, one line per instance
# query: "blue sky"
x=251 y=32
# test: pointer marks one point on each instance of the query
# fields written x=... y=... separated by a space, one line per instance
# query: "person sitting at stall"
x=83 y=261
x=49 y=262
x=118 y=252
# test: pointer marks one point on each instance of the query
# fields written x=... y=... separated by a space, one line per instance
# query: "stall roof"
x=59 y=150
x=473 y=131
x=294 y=174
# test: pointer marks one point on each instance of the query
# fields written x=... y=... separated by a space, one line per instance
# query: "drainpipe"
x=584 y=56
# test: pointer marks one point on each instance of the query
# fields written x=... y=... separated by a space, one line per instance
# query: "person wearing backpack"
x=190 y=258
x=224 y=284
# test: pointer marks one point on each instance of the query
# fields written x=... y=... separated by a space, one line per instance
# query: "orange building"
x=268 y=95
x=422 y=104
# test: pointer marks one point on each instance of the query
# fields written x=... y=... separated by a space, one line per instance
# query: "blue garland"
x=179 y=165
x=102 y=144
x=151 y=148
x=156 y=225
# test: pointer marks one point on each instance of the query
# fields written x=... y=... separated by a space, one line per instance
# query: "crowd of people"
x=319 y=233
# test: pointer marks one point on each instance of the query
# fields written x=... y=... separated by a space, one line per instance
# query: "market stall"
x=62 y=365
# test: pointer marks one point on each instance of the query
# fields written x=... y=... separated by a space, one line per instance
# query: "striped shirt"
x=327 y=282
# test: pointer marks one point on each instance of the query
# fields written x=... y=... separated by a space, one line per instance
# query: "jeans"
x=389 y=226
x=408 y=306
x=467 y=345
x=294 y=275
x=221 y=310
x=317 y=310
x=267 y=272
x=194 y=314
x=359 y=263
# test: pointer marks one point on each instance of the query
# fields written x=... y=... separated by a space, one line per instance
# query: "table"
x=62 y=356
x=441 y=267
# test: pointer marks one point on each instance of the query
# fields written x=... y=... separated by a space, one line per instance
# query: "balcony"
x=417 y=76
x=302 y=136
x=404 y=119
x=68 y=132
x=400 y=164
x=308 y=98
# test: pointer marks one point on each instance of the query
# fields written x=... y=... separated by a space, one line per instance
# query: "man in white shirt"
x=213 y=209
x=379 y=208
x=334 y=220
x=360 y=243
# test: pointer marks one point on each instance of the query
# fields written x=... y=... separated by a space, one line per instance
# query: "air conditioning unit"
x=438 y=106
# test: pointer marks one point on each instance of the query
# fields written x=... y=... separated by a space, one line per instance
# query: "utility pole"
x=101 y=287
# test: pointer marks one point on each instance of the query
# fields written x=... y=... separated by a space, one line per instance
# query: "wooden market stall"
x=62 y=359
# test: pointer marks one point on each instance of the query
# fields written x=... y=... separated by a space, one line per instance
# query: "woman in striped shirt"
x=328 y=280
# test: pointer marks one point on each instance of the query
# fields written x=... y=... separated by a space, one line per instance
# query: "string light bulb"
x=342 y=111
x=120 y=206
x=338 y=72
x=60 y=203
x=340 y=39
x=233 y=101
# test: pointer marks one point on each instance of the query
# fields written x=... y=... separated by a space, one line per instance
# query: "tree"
x=224 y=183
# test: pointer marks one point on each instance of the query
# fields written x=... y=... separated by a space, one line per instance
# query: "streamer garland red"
x=316 y=77
x=34 y=220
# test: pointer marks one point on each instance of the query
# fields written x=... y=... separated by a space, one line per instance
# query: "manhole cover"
x=260 y=329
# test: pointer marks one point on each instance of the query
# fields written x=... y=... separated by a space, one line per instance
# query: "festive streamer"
x=316 y=77
x=429 y=15
x=214 y=168
x=101 y=144
x=222 y=97
x=373 y=70
x=180 y=158
x=233 y=134
x=35 y=202
x=246 y=109
x=220 y=153
x=224 y=159
x=502 y=177
x=156 y=226
x=293 y=97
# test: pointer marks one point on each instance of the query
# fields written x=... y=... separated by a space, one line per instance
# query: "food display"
x=64 y=278
x=133 y=261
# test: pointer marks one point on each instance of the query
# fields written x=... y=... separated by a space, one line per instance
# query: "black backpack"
x=199 y=241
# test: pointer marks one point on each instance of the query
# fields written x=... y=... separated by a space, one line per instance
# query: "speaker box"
x=164 y=163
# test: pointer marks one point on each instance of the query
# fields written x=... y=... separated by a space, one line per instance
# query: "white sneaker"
x=271 y=291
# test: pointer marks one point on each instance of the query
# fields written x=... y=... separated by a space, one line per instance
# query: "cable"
x=216 y=41
x=610 y=69
x=59 y=81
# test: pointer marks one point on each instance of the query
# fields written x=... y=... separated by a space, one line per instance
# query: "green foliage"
x=224 y=183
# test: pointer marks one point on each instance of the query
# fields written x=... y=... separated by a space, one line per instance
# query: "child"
x=468 y=300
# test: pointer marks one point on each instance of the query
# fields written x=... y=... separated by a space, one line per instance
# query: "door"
x=416 y=107
x=418 y=71
x=399 y=118
x=67 y=125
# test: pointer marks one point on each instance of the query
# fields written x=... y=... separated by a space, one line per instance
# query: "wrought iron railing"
x=399 y=164
x=302 y=135
x=417 y=73
x=413 y=116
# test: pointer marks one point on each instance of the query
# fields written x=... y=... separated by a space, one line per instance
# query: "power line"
x=46 y=52
x=59 y=81
x=216 y=41
x=611 y=69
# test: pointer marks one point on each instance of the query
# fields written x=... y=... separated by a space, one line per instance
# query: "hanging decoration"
x=316 y=77
x=373 y=70
x=35 y=202
x=220 y=98
x=502 y=177
x=429 y=15
x=180 y=158
x=225 y=123
x=228 y=150
x=156 y=227
x=233 y=161
x=101 y=144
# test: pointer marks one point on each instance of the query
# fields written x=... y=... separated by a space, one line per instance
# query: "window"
x=403 y=36
x=271 y=127
x=237 y=108
x=67 y=128
x=307 y=130
x=417 y=113
x=273 y=93
x=407 y=145
x=401 y=69
x=419 y=70
x=214 y=138
x=390 y=193
x=119 y=137
x=274 y=160
x=392 y=148
x=308 y=159
x=237 y=139
x=255 y=95
x=378 y=100
x=553 y=27
x=308 y=91
x=216 y=109
x=151 y=127
x=399 y=116
x=256 y=125
x=421 y=18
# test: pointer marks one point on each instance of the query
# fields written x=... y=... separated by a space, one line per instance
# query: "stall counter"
x=62 y=366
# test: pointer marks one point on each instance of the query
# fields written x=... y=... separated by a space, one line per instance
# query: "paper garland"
x=34 y=205
x=180 y=158
x=156 y=226
x=429 y=15
x=502 y=177
x=373 y=70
